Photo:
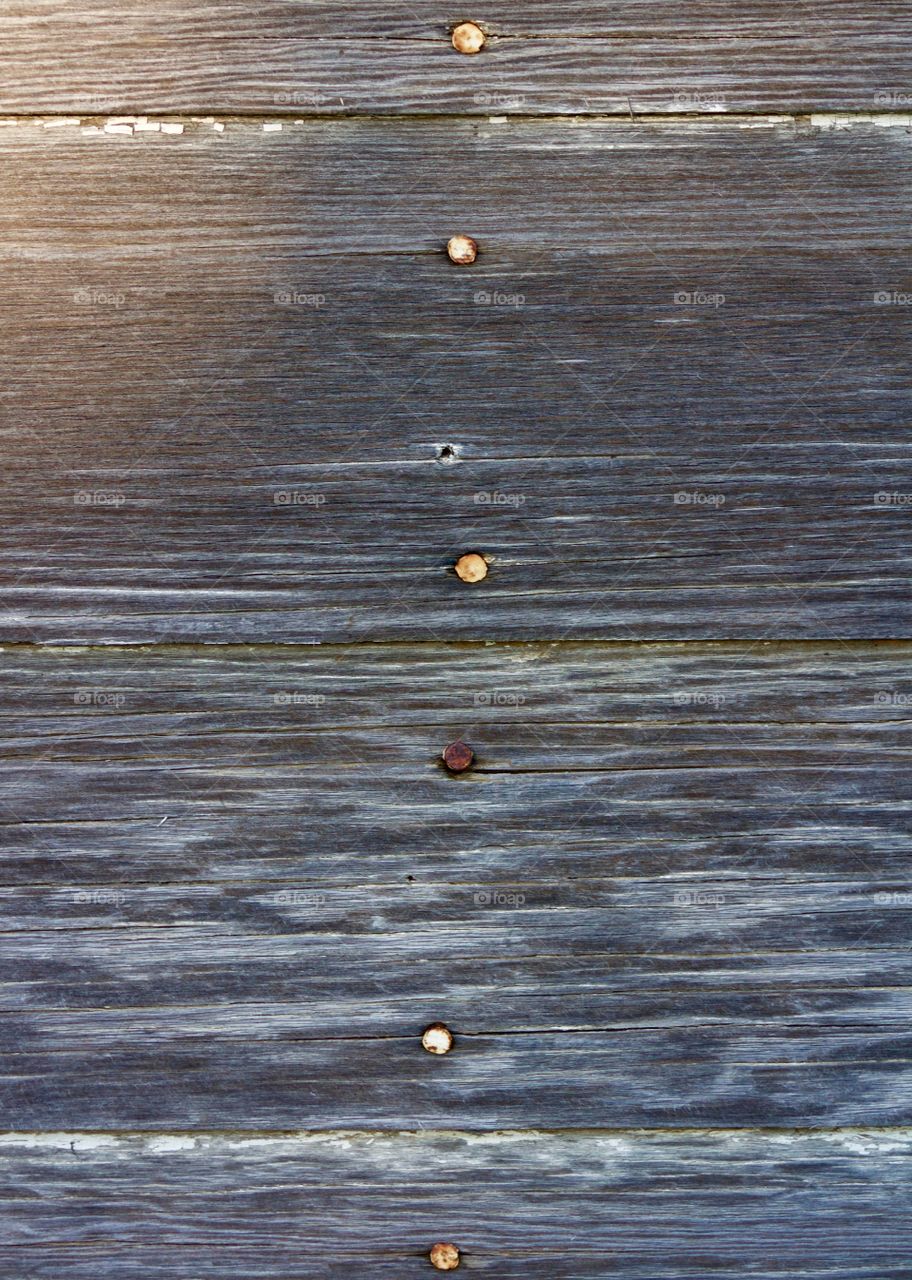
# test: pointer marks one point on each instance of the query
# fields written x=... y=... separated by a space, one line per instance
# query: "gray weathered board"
x=541 y=58
x=250 y=415
x=576 y=1205
x=674 y=890
x=246 y=397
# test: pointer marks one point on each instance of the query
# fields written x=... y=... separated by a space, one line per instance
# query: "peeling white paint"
x=835 y=120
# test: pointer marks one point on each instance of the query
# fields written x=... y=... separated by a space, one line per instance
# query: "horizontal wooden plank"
x=681 y=872
x=718 y=1204
x=672 y=404
x=340 y=57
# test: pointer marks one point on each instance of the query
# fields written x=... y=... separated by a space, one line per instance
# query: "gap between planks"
x=156 y=121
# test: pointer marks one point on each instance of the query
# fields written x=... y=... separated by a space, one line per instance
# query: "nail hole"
x=447 y=453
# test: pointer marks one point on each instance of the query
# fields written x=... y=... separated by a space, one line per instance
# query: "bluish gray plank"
x=721 y=1204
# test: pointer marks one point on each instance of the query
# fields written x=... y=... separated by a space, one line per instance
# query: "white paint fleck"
x=58 y=124
x=172 y=128
x=166 y=1143
x=272 y=126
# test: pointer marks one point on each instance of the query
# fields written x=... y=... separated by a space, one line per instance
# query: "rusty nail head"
x=458 y=756
x=437 y=1038
x=471 y=567
x=463 y=250
x=468 y=37
x=445 y=1257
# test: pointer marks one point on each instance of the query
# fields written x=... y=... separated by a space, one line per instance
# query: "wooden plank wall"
x=251 y=416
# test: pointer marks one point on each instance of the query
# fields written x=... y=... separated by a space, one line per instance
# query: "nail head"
x=458 y=756
x=438 y=1038
x=471 y=567
x=463 y=250
x=445 y=1257
x=468 y=37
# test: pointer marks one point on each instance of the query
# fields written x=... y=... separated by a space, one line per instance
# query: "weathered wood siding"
x=250 y=416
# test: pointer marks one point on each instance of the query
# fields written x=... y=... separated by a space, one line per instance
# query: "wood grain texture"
x=246 y=396
x=673 y=891
x=541 y=58
x=573 y=1206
